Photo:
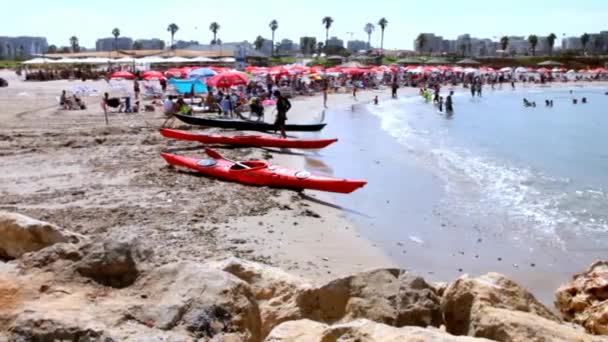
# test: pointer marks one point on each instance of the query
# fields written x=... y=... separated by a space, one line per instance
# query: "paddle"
x=215 y=155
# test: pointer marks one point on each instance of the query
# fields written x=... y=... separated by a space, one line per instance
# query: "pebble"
x=325 y=259
x=499 y=259
x=460 y=270
x=532 y=264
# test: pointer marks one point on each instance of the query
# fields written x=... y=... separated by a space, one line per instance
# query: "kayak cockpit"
x=251 y=164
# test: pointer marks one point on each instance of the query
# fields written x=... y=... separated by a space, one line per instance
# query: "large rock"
x=206 y=302
x=112 y=262
x=465 y=297
x=517 y=326
x=585 y=299
x=56 y=326
x=20 y=234
x=275 y=290
x=389 y=296
x=358 y=331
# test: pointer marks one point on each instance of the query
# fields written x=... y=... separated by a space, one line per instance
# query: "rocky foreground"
x=58 y=285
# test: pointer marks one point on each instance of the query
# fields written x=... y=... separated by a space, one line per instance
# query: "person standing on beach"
x=283 y=106
x=479 y=89
x=394 y=87
x=136 y=88
x=473 y=89
x=325 y=89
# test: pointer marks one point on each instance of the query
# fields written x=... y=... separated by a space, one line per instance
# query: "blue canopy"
x=185 y=86
x=201 y=73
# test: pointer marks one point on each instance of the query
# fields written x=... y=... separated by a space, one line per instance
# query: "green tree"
x=320 y=47
x=369 y=28
x=74 y=44
x=258 y=43
x=421 y=42
x=382 y=23
x=161 y=45
x=274 y=25
x=214 y=27
x=551 y=42
x=585 y=41
x=598 y=43
x=51 y=49
x=327 y=21
x=137 y=45
x=533 y=41
x=172 y=29
x=64 y=49
x=116 y=34
x=504 y=43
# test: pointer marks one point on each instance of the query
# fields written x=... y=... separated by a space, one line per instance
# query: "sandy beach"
x=68 y=167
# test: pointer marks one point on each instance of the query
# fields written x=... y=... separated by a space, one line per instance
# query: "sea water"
x=494 y=187
x=543 y=167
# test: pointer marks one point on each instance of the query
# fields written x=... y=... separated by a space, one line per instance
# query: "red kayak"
x=246 y=140
x=254 y=172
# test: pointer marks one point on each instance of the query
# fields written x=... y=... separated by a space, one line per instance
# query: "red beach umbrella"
x=122 y=74
x=152 y=74
x=175 y=73
x=227 y=80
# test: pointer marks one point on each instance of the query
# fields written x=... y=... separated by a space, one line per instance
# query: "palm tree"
x=214 y=27
x=74 y=44
x=369 y=28
x=51 y=49
x=137 y=45
x=116 y=34
x=585 y=41
x=504 y=43
x=551 y=42
x=320 y=47
x=274 y=25
x=421 y=42
x=533 y=40
x=382 y=23
x=172 y=28
x=258 y=43
x=327 y=21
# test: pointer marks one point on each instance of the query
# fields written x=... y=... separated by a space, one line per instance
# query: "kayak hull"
x=247 y=140
x=244 y=125
x=262 y=174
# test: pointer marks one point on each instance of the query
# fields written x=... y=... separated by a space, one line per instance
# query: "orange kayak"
x=247 y=140
x=255 y=172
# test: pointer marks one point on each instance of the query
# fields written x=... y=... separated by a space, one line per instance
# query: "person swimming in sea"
x=527 y=103
x=449 y=106
x=584 y=100
x=574 y=101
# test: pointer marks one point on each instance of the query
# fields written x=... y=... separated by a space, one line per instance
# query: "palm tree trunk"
x=369 y=39
x=272 y=50
x=382 y=42
x=326 y=37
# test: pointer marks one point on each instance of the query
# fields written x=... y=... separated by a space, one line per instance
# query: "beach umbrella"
x=471 y=71
x=543 y=70
x=152 y=74
x=175 y=73
x=506 y=69
x=521 y=69
x=317 y=68
x=217 y=69
x=201 y=73
x=122 y=74
x=571 y=71
x=227 y=79
x=353 y=71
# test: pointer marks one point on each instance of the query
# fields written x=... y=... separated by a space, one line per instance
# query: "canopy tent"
x=124 y=60
x=467 y=61
x=227 y=60
x=36 y=61
x=550 y=63
x=151 y=60
x=203 y=60
x=177 y=59
x=186 y=86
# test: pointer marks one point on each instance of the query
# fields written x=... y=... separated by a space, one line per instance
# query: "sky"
x=240 y=20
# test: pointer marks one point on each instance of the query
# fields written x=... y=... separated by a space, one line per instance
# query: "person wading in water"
x=283 y=106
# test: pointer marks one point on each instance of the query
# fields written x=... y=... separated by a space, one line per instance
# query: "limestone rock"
x=359 y=330
x=466 y=296
x=111 y=262
x=206 y=302
x=517 y=326
x=389 y=296
x=274 y=290
x=56 y=326
x=20 y=234
x=585 y=299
